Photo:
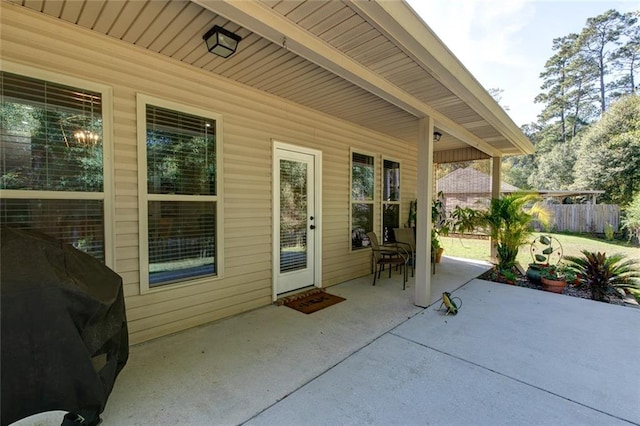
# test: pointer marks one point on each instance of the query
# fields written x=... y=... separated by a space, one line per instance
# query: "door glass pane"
x=293 y=215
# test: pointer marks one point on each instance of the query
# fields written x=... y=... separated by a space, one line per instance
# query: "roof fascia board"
x=401 y=24
x=265 y=22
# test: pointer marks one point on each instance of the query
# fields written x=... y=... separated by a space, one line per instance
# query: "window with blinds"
x=181 y=196
x=362 y=198
x=390 y=199
x=51 y=160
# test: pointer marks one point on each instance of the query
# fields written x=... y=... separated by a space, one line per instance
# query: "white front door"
x=297 y=224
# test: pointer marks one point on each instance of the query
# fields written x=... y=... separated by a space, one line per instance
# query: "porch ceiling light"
x=221 y=42
x=437 y=136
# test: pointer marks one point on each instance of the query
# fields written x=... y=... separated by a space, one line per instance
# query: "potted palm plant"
x=508 y=223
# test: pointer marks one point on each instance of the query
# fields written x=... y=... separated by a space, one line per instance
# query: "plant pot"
x=533 y=273
x=439 y=254
x=553 y=285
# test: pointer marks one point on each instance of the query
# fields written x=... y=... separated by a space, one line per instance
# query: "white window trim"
x=143 y=196
x=383 y=202
x=375 y=193
x=107 y=152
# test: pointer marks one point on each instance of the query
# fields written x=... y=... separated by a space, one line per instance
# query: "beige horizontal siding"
x=252 y=121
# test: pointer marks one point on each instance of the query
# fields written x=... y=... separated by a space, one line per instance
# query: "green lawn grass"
x=571 y=245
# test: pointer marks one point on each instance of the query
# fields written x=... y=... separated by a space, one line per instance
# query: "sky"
x=505 y=43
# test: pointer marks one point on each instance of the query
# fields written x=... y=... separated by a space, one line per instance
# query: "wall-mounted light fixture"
x=437 y=136
x=221 y=42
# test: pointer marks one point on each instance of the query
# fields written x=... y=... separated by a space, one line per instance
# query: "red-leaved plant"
x=604 y=275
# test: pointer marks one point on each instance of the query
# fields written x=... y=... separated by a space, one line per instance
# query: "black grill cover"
x=64 y=331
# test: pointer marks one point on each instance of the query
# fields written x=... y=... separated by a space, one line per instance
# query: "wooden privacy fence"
x=586 y=218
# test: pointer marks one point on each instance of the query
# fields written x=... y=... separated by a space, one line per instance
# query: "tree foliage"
x=631 y=220
x=555 y=168
x=626 y=60
x=580 y=141
x=598 y=44
x=609 y=153
x=567 y=88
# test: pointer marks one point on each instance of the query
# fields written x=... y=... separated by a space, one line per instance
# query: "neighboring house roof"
x=373 y=63
x=469 y=181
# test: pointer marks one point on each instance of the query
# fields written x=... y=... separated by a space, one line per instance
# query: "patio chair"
x=388 y=255
x=406 y=239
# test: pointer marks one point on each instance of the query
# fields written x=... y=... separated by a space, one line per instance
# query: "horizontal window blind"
x=51 y=136
x=75 y=222
x=362 y=198
x=362 y=177
x=390 y=199
x=293 y=218
x=361 y=223
x=182 y=237
x=181 y=153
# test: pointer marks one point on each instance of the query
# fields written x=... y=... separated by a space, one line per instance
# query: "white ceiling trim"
x=267 y=23
x=413 y=36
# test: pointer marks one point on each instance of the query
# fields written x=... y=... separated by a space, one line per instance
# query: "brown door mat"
x=311 y=301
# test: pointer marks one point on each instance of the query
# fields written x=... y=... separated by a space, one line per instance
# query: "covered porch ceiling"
x=373 y=63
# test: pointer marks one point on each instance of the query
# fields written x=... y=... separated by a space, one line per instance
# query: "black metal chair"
x=405 y=238
x=388 y=255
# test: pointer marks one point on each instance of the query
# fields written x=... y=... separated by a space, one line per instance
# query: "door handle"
x=312 y=227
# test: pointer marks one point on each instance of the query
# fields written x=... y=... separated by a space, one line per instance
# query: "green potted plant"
x=507 y=276
x=463 y=220
x=436 y=248
x=440 y=225
x=554 y=277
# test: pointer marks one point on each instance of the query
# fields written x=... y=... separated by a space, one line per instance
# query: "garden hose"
x=449 y=303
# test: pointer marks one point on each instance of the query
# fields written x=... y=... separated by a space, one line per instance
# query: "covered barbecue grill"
x=63 y=332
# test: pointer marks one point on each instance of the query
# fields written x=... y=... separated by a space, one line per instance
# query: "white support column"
x=496 y=178
x=423 y=217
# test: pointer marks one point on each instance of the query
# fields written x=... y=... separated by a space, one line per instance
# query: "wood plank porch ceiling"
x=365 y=34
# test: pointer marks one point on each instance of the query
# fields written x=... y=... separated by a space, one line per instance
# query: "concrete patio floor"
x=511 y=356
